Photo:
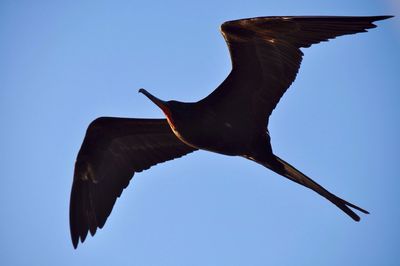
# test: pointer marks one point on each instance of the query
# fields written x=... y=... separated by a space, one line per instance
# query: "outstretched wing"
x=112 y=151
x=266 y=57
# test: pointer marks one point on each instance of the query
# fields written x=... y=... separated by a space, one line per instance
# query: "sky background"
x=65 y=63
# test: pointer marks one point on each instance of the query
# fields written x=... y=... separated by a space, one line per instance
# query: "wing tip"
x=72 y=216
x=377 y=18
x=75 y=242
x=81 y=213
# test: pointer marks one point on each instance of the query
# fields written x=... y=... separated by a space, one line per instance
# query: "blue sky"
x=64 y=63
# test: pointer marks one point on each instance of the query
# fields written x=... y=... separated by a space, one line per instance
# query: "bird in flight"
x=233 y=120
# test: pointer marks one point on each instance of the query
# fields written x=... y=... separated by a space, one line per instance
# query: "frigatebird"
x=233 y=120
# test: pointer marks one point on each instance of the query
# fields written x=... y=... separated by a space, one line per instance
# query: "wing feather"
x=266 y=57
x=112 y=151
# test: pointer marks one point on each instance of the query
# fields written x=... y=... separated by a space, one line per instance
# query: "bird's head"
x=171 y=109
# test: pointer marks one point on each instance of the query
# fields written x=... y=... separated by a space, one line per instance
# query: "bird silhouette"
x=232 y=120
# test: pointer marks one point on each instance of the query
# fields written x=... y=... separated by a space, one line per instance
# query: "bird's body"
x=205 y=128
x=232 y=120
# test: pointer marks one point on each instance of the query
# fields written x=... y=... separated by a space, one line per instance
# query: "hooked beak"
x=160 y=103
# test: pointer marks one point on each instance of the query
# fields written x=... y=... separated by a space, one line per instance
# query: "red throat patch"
x=167 y=113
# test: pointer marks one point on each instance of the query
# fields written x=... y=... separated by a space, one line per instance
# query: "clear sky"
x=64 y=63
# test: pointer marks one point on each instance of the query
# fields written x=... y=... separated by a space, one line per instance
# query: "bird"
x=266 y=53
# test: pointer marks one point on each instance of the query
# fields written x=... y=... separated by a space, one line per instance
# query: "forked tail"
x=283 y=168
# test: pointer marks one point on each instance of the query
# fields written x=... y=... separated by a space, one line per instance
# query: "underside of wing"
x=112 y=151
x=266 y=57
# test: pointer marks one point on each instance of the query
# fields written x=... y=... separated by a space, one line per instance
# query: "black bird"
x=232 y=120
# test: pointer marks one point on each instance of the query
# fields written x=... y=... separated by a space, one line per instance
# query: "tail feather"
x=283 y=168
